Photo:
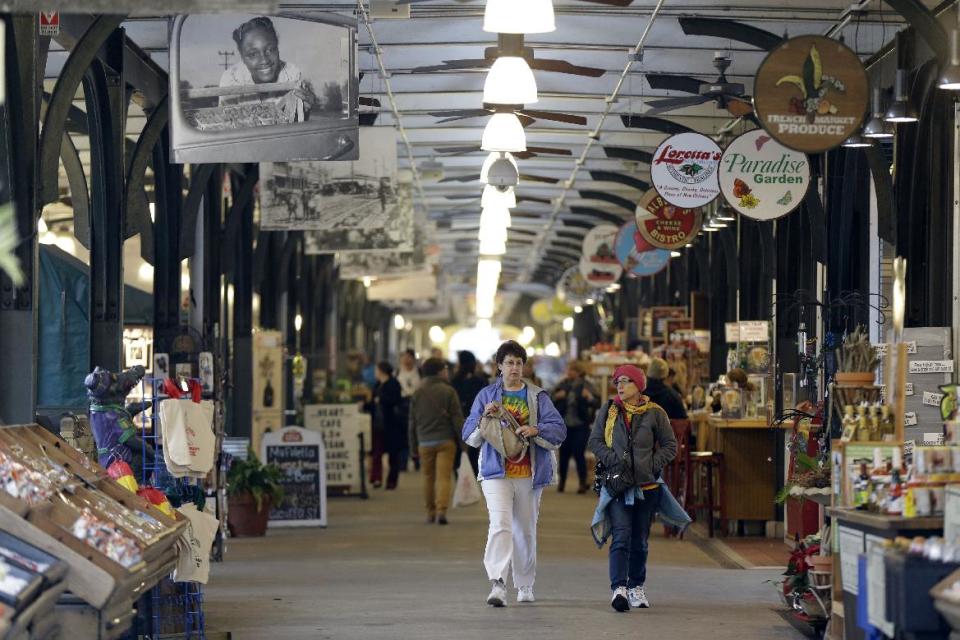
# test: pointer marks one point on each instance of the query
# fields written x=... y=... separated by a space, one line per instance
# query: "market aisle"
x=378 y=572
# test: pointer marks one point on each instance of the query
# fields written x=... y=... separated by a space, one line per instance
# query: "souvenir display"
x=107 y=539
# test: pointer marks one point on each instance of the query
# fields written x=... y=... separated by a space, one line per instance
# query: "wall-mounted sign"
x=664 y=225
x=684 y=170
x=931 y=366
x=761 y=178
x=49 y=23
x=599 y=264
x=747 y=331
x=811 y=93
x=637 y=258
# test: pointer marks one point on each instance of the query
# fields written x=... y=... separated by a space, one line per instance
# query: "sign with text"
x=761 y=178
x=910 y=419
x=301 y=456
x=664 y=225
x=811 y=93
x=49 y=23
x=341 y=426
x=638 y=258
x=931 y=366
x=599 y=264
x=684 y=170
x=748 y=331
x=932 y=399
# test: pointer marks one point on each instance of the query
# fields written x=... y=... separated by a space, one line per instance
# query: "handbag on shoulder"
x=621 y=478
x=504 y=437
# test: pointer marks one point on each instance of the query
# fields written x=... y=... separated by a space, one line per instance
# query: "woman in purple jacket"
x=512 y=488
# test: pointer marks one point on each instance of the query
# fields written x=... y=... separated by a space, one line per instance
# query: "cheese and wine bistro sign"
x=684 y=170
x=761 y=178
x=664 y=225
x=811 y=93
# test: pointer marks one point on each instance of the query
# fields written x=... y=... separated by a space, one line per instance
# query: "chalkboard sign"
x=341 y=425
x=301 y=456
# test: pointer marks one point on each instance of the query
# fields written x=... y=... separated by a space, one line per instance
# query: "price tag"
x=931 y=366
x=932 y=439
x=910 y=419
x=882 y=349
x=911 y=347
x=932 y=399
x=908 y=448
x=908 y=388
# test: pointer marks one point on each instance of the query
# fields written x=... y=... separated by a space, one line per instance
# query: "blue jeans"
x=630 y=531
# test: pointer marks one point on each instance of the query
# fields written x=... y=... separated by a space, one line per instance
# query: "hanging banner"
x=811 y=93
x=635 y=254
x=684 y=170
x=664 y=225
x=302 y=458
x=761 y=178
x=599 y=265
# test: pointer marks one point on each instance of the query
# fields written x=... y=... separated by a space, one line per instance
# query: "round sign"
x=540 y=311
x=761 y=178
x=635 y=260
x=573 y=287
x=664 y=225
x=811 y=93
x=684 y=170
x=599 y=264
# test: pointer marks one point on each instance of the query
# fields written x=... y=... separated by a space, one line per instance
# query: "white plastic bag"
x=467 y=490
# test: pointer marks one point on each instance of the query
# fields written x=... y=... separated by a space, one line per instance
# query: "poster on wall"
x=254 y=88
x=664 y=225
x=301 y=456
x=341 y=426
x=394 y=236
x=344 y=195
x=684 y=170
x=811 y=93
x=638 y=257
x=267 y=384
x=599 y=265
x=761 y=178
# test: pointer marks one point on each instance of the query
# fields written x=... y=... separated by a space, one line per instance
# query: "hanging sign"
x=684 y=170
x=636 y=255
x=664 y=225
x=811 y=93
x=573 y=288
x=761 y=178
x=599 y=265
x=301 y=456
x=49 y=23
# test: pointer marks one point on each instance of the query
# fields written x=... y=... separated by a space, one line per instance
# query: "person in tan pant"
x=434 y=433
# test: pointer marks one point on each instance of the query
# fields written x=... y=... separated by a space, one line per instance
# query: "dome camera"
x=502 y=174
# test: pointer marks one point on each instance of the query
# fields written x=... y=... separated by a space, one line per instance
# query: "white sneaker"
x=525 y=594
x=620 y=601
x=638 y=598
x=498 y=594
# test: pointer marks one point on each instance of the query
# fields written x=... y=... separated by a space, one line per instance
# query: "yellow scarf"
x=631 y=410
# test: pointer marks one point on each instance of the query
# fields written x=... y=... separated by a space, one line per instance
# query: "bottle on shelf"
x=873 y=423
x=895 y=495
x=863 y=431
x=849 y=424
x=887 y=428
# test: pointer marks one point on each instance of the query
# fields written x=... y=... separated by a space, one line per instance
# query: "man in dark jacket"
x=576 y=400
x=658 y=391
x=387 y=399
x=435 y=422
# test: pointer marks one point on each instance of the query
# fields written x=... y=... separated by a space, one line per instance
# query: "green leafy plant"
x=260 y=480
x=856 y=354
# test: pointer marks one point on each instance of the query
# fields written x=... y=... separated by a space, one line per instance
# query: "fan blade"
x=467 y=178
x=555 y=117
x=454 y=65
x=562 y=66
x=671 y=104
x=730 y=30
x=459 y=113
x=457 y=150
x=596 y=213
x=533 y=199
x=525 y=121
x=369 y=102
x=740 y=106
x=551 y=151
x=653 y=124
x=621 y=178
x=664 y=82
x=611 y=198
x=532 y=178
x=626 y=153
x=609 y=3
x=463 y=196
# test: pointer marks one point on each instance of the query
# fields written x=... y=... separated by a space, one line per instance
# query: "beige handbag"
x=504 y=437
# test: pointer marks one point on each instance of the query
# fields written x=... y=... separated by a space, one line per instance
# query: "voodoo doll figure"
x=111 y=421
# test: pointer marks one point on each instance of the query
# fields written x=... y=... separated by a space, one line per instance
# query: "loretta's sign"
x=684 y=170
x=761 y=178
x=811 y=93
x=664 y=225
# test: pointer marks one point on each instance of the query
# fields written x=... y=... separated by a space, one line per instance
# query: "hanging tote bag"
x=188 y=436
x=467 y=489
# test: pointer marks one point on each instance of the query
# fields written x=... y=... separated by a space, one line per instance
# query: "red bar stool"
x=677 y=473
x=708 y=487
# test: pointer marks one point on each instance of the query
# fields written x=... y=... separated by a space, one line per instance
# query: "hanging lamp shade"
x=504 y=133
x=510 y=81
x=901 y=111
x=494 y=197
x=519 y=16
x=495 y=216
x=493 y=157
x=950 y=76
x=856 y=141
x=876 y=127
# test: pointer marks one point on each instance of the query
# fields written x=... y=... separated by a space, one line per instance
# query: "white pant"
x=514 y=506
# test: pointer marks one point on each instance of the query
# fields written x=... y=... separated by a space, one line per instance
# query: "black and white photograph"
x=250 y=88
x=341 y=195
x=161 y=365
x=393 y=234
x=354 y=266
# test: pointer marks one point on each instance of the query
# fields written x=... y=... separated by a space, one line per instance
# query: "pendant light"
x=901 y=111
x=856 y=141
x=876 y=127
x=950 y=77
x=493 y=157
x=504 y=133
x=519 y=16
x=494 y=197
x=510 y=81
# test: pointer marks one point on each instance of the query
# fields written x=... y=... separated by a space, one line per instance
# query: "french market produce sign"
x=636 y=255
x=761 y=178
x=811 y=93
x=684 y=170
x=664 y=225
x=599 y=264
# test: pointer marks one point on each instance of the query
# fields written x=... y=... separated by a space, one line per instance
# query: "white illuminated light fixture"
x=488 y=277
x=589 y=301
x=367 y=281
x=510 y=81
x=398 y=322
x=552 y=350
x=493 y=157
x=494 y=197
x=568 y=324
x=145 y=272
x=675 y=254
x=504 y=133
x=876 y=127
x=437 y=335
x=519 y=16
x=950 y=76
x=484 y=324
x=578 y=309
x=298 y=322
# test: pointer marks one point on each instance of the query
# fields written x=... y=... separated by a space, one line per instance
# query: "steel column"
x=242 y=249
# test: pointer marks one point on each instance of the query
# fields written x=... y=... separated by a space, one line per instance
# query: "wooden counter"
x=749 y=449
x=881 y=522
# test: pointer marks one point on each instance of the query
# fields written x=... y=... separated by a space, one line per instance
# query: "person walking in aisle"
x=386 y=400
x=468 y=384
x=435 y=416
x=576 y=401
x=662 y=394
x=408 y=375
x=631 y=435
x=512 y=488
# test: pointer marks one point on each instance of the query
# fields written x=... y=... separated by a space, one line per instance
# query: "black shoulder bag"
x=620 y=479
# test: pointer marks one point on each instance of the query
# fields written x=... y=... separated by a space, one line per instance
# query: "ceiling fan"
x=609 y=3
x=523 y=176
x=531 y=152
x=511 y=44
x=520 y=198
x=527 y=116
x=728 y=95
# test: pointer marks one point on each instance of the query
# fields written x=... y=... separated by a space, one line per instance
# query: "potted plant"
x=252 y=489
x=856 y=360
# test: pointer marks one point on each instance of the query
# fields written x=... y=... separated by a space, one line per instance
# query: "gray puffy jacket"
x=654 y=444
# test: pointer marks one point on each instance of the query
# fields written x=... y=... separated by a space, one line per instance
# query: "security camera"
x=502 y=173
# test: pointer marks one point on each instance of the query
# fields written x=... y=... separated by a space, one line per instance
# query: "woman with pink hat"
x=633 y=441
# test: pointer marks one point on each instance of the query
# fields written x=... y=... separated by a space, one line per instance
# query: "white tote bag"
x=188 y=437
x=467 y=490
x=193 y=558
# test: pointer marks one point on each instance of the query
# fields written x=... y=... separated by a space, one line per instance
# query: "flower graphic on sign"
x=814 y=87
x=745 y=194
